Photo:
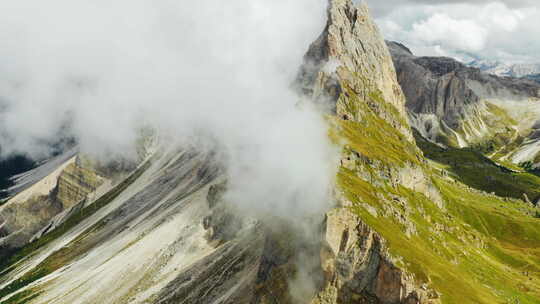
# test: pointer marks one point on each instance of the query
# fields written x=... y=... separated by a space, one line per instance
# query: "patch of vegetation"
x=500 y=115
x=378 y=100
x=22 y=297
x=475 y=170
x=64 y=255
x=366 y=133
x=490 y=131
x=502 y=148
x=501 y=128
x=480 y=248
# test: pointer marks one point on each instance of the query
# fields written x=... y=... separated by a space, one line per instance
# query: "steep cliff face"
x=35 y=207
x=359 y=268
x=406 y=230
x=75 y=183
x=350 y=66
x=459 y=106
x=351 y=53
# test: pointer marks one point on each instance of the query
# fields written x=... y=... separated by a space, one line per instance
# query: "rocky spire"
x=351 y=52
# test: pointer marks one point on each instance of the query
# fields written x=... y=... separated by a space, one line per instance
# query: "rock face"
x=456 y=105
x=351 y=52
x=439 y=73
x=349 y=68
x=427 y=91
x=360 y=270
x=75 y=183
x=32 y=209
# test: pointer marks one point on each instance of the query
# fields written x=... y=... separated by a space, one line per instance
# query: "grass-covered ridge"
x=479 y=248
x=476 y=170
x=365 y=133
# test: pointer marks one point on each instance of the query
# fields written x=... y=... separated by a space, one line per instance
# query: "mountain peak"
x=351 y=52
x=399 y=47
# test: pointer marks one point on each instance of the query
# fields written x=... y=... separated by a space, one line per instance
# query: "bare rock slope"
x=43 y=194
x=460 y=106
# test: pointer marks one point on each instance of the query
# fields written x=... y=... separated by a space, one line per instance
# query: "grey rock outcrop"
x=357 y=263
x=352 y=52
x=351 y=57
x=454 y=104
x=34 y=210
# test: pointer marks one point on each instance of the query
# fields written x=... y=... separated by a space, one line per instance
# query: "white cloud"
x=99 y=70
x=497 y=16
x=440 y=28
x=499 y=30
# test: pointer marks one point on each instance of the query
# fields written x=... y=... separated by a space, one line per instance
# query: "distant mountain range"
x=520 y=70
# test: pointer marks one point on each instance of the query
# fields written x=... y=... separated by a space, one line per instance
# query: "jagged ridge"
x=404 y=231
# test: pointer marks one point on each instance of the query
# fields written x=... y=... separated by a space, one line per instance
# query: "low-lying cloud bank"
x=99 y=71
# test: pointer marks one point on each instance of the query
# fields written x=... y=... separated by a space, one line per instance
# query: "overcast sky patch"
x=496 y=30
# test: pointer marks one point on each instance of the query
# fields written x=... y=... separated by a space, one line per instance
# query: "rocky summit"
x=435 y=199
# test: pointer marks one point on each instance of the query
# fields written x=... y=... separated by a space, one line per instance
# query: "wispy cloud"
x=100 y=70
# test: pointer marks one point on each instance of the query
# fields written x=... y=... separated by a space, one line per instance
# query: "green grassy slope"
x=479 y=248
x=474 y=169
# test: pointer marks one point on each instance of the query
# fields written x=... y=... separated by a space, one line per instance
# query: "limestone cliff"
x=459 y=106
x=74 y=184
x=33 y=209
x=351 y=53
x=391 y=200
x=349 y=66
x=359 y=268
